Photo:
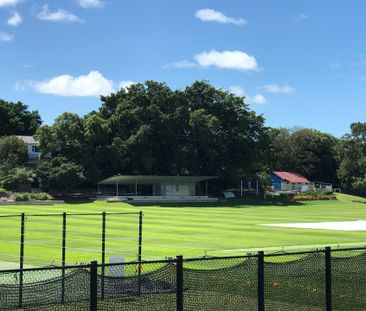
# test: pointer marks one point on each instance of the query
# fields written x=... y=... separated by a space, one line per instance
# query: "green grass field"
x=225 y=228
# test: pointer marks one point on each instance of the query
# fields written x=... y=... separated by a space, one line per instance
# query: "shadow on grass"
x=359 y=201
x=78 y=200
x=235 y=203
x=74 y=198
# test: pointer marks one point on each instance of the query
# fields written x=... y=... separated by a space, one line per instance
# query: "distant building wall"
x=172 y=189
x=32 y=146
x=276 y=182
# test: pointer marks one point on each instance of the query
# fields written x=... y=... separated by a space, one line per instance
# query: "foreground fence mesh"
x=349 y=281
x=45 y=289
x=319 y=280
x=220 y=284
x=293 y=282
x=146 y=286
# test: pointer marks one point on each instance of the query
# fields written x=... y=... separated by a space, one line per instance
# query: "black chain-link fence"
x=319 y=280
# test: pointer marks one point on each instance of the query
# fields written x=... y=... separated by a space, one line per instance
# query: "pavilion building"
x=150 y=188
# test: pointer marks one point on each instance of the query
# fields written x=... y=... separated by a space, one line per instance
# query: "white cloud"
x=57 y=16
x=126 y=84
x=15 y=19
x=209 y=15
x=91 y=3
x=275 y=88
x=92 y=84
x=257 y=99
x=237 y=90
x=4 y=3
x=6 y=37
x=181 y=64
x=227 y=59
x=22 y=86
x=299 y=17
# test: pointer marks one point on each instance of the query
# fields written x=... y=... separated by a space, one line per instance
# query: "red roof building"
x=291 y=177
x=288 y=181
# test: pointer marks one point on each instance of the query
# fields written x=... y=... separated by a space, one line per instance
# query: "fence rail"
x=319 y=280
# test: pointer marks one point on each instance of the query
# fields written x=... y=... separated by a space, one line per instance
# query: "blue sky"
x=299 y=63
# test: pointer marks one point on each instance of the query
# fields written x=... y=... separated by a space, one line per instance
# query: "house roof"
x=27 y=139
x=150 y=179
x=291 y=177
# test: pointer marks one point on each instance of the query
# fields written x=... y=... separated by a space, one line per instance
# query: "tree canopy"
x=16 y=119
x=151 y=129
x=305 y=151
x=352 y=158
x=154 y=130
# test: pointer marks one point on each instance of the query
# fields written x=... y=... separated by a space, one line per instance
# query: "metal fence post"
x=328 y=279
x=180 y=283
x=103 y=252
x=139 y=251
x=21 y=259
x=93 y=286
x=261 y=281
x=63 y=259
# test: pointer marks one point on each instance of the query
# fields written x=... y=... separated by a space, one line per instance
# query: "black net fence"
x=134 y=286
x=295 y=282
x=349 y=280
x=45 y=289
x=220 y=284
x=319 y=280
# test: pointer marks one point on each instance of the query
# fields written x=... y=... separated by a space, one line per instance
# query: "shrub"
x=314 y=196
x=308 y=196
x=42 y=196
x=11 y=178
x=60 y=174
x=287 y=195
x=21 y=197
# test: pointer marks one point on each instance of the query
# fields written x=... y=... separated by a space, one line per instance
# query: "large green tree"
x=16 y=119
x=13 y=152
x=199 y=131
x=352 y=157
x=59 y=174
x=306 y=151
x=13 y=158
x=151 y=129
x=66 y=137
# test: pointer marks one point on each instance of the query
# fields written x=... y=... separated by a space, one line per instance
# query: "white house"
x=32 y=146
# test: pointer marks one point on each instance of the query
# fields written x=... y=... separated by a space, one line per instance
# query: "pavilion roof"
x=150 y=179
